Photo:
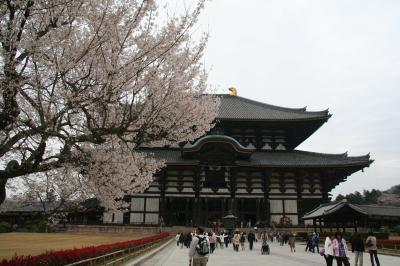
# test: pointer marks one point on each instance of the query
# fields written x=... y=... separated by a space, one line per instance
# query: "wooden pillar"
x=258 y=214
x=232 y=190
x=163 y=187
x=299 y=194
x=187 y=222
x=314 y=224
x=197 y=201
x=266 y=182
x=344 y=227
x=320 y=224
x=205 y=213
x=324 y=189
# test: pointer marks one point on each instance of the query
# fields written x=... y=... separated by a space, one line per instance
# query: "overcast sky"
x=342 y=55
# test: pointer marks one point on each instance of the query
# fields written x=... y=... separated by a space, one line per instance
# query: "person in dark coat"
x=357 y=247
x=182 y=239
x=251 y=237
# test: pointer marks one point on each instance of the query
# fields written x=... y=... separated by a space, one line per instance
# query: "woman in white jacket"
x=329 y=250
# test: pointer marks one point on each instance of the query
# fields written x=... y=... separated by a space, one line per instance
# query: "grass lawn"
x=36 y=243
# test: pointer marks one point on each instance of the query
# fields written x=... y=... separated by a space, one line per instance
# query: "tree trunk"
x=3 y=182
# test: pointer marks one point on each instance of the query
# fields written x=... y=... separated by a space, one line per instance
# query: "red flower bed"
x=388 y=242
x=62 y=257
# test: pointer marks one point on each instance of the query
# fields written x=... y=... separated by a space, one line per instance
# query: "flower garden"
x=63 y=257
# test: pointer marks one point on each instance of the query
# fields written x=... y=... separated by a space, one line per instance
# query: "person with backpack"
x=199 y=249
x=372 y=248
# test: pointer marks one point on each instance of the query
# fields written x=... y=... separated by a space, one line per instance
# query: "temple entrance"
x=250 y=217
x=179 y=211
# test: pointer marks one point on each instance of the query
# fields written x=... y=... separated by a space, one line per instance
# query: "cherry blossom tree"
x=85 y=84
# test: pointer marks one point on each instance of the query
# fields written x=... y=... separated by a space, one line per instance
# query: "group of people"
x=336 y=248
x=201 y=243
x=312 y=242
x=239 y=238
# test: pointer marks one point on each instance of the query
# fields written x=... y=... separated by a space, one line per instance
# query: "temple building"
x=247 y=165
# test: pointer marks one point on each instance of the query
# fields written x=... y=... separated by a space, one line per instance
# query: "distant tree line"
x=366 y=197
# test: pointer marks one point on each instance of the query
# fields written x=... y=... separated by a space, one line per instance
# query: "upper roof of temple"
x=257 y=123
x=239 y=108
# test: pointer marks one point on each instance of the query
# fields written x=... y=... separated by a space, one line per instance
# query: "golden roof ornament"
x=233 y=91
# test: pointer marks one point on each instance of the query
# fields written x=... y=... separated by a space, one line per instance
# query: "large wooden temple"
x=247 y=165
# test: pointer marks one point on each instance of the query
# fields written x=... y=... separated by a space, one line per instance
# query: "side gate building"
x=247 y=165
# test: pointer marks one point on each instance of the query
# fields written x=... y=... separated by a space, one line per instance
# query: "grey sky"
x=341 y=55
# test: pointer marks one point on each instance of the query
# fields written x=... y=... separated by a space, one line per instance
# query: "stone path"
x=176 y=256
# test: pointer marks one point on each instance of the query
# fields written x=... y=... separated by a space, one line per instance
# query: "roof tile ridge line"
x=331 y=155
x=319 y=207
x=366 y=156
x=282 y=108
x=354 y=206
x=335 y=206
x=314 y=210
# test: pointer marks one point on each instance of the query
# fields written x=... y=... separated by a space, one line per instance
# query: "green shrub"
x=396 y=229
x=42 y=226
x=38 y=226
x=5 y=227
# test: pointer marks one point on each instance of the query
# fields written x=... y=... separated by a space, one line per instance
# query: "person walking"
x=178 y=235
x=181 y=239
x=213 y=240
x=340 y=250
x=315 y=242
x=199 y=249
x=357 y=247
x=242 y=240
x=372 y=248
x=292 y=241
x=328 y=250
x=236 y=241
x=309 y=243
x=220 y=240
x=251 y=237
x=264 y=236
x=227 y=238
x=280 y=239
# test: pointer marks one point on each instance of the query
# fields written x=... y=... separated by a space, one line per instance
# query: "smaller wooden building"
x=346 y=215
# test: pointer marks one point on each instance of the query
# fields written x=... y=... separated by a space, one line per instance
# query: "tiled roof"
x=239 y=108
x=15 y=206
x=380 y=210
x=294 y=158
x=304 y=158
x=370 y=210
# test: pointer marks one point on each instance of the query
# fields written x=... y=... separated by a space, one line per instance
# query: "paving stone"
x=176 y=256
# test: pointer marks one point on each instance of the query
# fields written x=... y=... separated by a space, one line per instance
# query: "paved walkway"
x=174 y=256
